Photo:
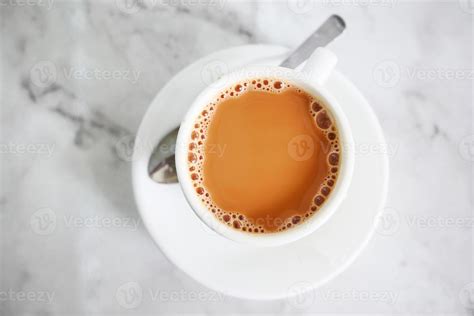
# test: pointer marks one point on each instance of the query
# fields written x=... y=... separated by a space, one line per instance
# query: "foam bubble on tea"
x=264 y=155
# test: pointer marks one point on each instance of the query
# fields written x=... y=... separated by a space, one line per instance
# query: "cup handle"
x=320 y=65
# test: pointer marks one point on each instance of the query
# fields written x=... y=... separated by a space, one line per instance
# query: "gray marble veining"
x=77 y=77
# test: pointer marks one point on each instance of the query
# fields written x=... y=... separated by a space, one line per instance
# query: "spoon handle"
x=161 y=166
x=328 y=31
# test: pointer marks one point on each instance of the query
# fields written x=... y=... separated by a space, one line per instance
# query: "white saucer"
x=240 y=270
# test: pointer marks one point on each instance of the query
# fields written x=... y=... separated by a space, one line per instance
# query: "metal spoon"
x=161 y=166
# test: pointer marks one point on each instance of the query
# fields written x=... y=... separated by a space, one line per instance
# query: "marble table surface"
x=76 y=79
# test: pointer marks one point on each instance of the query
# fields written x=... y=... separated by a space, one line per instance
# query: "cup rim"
x=338 y=193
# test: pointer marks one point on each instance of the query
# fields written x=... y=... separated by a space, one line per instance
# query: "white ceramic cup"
x=311 y=78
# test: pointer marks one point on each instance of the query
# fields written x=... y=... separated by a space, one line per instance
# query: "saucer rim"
x=137 y=177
